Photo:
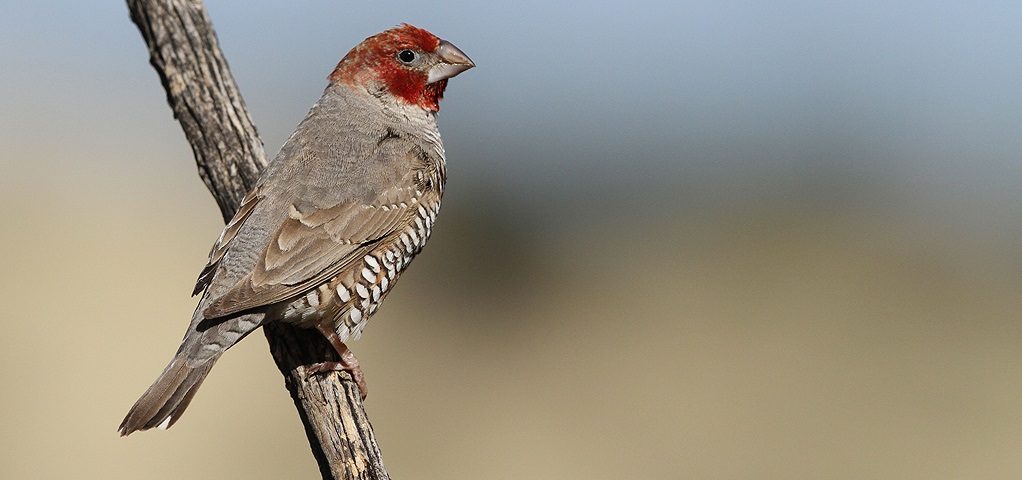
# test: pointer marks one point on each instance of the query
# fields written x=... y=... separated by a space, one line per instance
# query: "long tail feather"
x=164 y=402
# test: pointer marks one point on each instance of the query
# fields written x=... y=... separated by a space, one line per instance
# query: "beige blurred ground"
x=767 y=341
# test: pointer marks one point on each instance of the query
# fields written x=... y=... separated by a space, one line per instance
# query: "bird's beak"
x=452 y=62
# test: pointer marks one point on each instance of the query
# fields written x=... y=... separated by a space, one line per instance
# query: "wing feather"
x=216 y=254
x=313 y=245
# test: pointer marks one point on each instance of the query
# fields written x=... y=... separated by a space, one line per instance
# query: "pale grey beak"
x=453 y=62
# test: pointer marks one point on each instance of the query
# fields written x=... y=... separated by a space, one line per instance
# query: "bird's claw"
x=351 y=367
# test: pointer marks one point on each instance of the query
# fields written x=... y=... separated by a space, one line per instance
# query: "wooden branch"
x=204 y=97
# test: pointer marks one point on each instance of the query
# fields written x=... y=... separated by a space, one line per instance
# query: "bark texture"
x=204 y=97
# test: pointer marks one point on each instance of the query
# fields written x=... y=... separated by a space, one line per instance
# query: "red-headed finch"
x=336 y=217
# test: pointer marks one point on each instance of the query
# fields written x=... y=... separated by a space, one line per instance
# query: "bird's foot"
x=348 y=364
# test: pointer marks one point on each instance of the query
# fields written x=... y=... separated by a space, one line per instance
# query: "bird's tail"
x=166 y=399
x=164 y=402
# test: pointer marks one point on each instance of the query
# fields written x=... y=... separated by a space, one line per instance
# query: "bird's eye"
x=406 y=56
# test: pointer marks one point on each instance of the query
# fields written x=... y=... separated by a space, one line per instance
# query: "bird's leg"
x=348 y=361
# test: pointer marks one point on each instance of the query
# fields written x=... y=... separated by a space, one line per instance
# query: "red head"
x=412 y=64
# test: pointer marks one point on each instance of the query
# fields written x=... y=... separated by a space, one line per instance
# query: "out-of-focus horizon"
x=680 y=239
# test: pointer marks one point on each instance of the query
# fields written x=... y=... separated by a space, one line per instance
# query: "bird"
x=332 y=222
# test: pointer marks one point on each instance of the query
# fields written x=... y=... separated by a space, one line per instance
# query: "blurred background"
x=692 y=239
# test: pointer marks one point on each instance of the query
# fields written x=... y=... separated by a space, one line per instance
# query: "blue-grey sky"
x=917 y=97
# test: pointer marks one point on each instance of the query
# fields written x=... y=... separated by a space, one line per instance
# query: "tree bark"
x=202 y=93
